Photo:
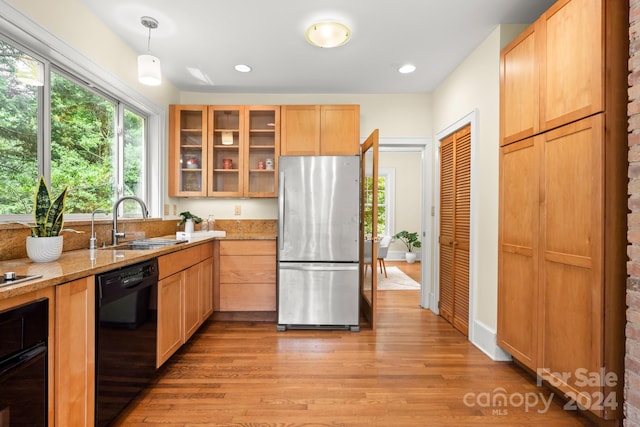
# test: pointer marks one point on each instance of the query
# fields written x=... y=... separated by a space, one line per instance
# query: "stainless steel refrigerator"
x=318 y=242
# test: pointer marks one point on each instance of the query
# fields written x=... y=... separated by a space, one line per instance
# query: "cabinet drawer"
x=248 y=247
x=248 y=269
x=181 y=260
x=247 y=297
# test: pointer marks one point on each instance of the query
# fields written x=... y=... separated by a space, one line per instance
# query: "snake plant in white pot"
x=45 y=242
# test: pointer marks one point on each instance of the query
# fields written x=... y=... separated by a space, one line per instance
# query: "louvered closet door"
x=455 y=211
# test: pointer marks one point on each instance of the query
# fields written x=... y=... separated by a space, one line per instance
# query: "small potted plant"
x=45 y=242
x=411 y=241
x=188 y=219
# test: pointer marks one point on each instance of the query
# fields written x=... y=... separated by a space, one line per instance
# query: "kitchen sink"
x=145 y=244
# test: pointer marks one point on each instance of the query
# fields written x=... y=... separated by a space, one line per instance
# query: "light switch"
x=237 y=210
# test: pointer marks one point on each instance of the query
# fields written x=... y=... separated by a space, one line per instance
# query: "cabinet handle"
x=281 y=211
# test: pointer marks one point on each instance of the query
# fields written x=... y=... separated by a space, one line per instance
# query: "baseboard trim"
x=485 y=339
x=399 y=256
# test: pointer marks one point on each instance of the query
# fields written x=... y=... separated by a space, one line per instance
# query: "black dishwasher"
x=126 y=335
x=23 y=364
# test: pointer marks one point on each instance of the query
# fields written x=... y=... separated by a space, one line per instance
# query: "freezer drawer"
x=312 y=295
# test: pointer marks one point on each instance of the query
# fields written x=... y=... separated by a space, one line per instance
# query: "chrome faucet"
x=93 y=242
x=115 y=233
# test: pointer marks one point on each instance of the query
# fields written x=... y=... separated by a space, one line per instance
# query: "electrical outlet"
x=166 y=209
x=237 y=210
x=175 y=209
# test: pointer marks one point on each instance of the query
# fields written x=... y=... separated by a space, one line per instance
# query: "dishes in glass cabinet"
x=193 y=163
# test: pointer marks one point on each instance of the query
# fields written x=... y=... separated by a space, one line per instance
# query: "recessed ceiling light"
x=328 y=34
x=242 y=68
x=406 y=69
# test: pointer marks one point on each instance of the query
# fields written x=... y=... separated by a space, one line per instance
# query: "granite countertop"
x=81 y=263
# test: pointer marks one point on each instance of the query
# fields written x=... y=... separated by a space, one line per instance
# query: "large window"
x=386 y=202
x=73 y=134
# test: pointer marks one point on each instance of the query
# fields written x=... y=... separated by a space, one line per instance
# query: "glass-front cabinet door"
x=226 y=156
x=262 y=150
x=188 y=150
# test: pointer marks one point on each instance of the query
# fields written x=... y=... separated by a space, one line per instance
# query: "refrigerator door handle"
x=319 y=267
x=281 y=211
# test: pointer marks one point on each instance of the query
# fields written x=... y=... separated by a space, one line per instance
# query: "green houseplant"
x=184 y=216
x=45 y=242
x=189 y=219
x=48 y=214
x=411 y=241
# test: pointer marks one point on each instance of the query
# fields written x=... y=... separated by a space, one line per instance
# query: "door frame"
x=434 y=297
x=424 y=146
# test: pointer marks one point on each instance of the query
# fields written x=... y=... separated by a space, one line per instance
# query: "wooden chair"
x=383 y=248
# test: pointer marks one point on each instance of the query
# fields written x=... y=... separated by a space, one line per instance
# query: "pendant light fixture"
x=148 y=65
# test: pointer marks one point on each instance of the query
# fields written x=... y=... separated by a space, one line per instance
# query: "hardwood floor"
x=413 y=370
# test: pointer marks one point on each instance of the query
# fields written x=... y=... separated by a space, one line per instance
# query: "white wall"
x=408 y=191
x=475 y=86
x=76 y=25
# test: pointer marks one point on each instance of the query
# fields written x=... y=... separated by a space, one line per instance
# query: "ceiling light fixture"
x=148 y=65
x=328 y=34
x=242 y=68
x=406 y=69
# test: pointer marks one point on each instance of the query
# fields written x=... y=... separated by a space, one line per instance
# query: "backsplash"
x=13 y=236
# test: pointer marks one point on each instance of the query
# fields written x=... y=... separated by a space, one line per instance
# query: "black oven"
x=23 y=364
x=126 y=335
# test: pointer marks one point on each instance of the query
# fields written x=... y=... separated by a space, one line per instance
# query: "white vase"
x=410 y=257
x=188 y=226
x=44 y=249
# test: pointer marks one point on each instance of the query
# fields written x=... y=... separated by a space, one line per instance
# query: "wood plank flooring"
x=413 y=370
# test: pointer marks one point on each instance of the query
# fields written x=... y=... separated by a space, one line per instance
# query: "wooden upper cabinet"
x=262 y=149
x=300 y=130
x=519 y=88
x=226 y=150
x=554 y=72
x=223 y=150
x=572 y=67
x=187 y=150
x=308 y=130
x=340 y=129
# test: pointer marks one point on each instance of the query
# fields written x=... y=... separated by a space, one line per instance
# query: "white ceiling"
x=199 y=41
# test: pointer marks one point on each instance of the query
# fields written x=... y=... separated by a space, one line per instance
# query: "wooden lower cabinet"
x=191 y=299
x=74 y=353
x=185 y=297
x=561 y=290
x=205 y=302
x=169 y=317
x=247 y=276
x=518 y=254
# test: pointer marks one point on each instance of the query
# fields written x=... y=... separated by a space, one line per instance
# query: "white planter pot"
x=410 y=257
x=44 y=249
x=188 y=226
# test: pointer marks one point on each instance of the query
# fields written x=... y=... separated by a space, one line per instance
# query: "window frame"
x=389 y=175
x=21 y=32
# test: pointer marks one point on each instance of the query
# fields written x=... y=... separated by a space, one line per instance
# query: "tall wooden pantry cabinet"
x=562 y=227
